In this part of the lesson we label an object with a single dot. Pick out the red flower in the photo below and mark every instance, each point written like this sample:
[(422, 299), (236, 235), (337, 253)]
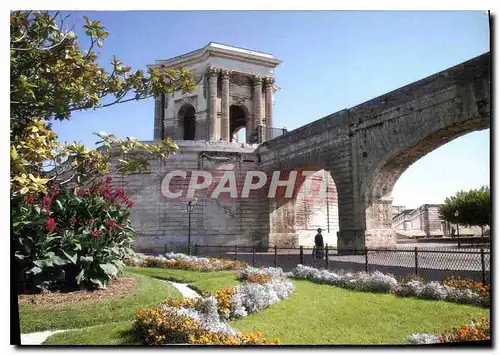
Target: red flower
[(111, 224), (47, 201), (95, 233), (108, 180), (73, 220), (130, 204), (30, 199), (91, 222), (120, 193), (121, 226), (50, 224)]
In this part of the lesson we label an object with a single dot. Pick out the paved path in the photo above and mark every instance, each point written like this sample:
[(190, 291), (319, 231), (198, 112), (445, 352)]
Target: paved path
[(184, 290), (39, 338)]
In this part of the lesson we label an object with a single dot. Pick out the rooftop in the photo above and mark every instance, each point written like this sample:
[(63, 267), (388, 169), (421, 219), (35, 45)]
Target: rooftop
[(220, 50)]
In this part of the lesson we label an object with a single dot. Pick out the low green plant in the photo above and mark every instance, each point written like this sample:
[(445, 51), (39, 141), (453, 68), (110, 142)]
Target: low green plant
[(73, 237)]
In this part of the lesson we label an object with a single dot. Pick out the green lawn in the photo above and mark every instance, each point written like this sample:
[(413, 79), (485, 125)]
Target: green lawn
[(41, 317), (107, 334), (323, 314), (200, 281), (314, 314)]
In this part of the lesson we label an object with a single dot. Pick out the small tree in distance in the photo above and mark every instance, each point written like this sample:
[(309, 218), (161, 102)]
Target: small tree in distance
[(469, 208)]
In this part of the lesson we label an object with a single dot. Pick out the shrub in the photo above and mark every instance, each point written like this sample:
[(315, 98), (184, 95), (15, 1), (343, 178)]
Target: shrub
[(185, 262), (361, 281), (477, 330), (259, 279), (416, 287), (405, 279), (466, 284), (437, 291), (422, 338), (170, 325), (257, 273), (73, 237), (202, 320), (434, 291), (224, 296)]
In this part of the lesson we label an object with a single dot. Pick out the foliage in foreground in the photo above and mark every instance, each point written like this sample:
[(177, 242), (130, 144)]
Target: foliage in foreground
[(202, 320), (328, 315), (73, 238), (51, 76), (379, 282), (185, 262), (101, 310), (475, 331)]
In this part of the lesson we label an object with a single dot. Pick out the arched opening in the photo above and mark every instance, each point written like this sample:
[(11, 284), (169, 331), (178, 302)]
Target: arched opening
[(461, 164), (240, 135), (238, 116), (316, 206), (187, 120), (379, 210), (294, 220)]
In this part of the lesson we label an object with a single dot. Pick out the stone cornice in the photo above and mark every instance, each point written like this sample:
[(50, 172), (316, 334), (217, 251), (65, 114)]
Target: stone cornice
[(217, 50)]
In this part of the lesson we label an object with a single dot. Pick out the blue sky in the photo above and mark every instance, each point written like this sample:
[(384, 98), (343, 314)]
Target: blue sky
[(331, 60)]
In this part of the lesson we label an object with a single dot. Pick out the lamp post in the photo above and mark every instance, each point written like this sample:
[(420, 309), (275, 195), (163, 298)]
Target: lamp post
[(190, 208), (458, 228)]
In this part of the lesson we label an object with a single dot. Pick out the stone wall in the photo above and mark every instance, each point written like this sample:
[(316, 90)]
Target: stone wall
[(159, 221)]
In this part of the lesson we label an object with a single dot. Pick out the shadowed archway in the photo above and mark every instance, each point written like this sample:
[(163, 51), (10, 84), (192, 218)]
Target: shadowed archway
[(187, 120)]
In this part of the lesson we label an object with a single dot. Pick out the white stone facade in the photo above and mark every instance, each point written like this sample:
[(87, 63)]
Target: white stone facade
[(230, 82)]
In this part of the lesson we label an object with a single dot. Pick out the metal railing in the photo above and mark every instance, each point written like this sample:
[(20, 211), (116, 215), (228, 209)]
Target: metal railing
[(432, 264), (264, 133)]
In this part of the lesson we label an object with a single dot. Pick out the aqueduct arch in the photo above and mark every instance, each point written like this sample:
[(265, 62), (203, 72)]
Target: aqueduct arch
[(364, 148), (367, 147)]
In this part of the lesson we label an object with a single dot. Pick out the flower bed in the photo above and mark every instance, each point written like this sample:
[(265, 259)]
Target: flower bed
[(361, 281), (185, 262), (201, 325), (477, 330), (203, 320), (379, 282)]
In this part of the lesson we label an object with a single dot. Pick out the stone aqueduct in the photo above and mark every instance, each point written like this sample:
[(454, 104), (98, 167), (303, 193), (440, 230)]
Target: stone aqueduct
[(365, 148)]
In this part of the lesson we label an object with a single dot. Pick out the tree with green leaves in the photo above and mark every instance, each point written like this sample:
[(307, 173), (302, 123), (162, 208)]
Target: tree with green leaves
[(469, 208), (51, 76), (66, 221)]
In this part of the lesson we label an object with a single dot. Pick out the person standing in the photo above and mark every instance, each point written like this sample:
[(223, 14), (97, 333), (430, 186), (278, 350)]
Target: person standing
[(318, 242)]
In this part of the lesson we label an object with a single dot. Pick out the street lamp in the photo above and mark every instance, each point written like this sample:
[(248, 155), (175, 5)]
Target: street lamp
[(190, 208), (458, 229)]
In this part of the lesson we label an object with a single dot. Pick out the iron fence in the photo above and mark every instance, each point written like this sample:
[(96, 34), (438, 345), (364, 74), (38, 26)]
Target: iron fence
[(267, 133), (434, 264)]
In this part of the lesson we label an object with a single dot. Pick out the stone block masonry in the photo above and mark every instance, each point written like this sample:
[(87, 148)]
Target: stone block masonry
[(223, 221), (365, 149)]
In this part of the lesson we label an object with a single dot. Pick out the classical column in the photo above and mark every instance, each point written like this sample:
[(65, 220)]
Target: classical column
[(225, 105), (268, 86), (257, 100), (214, 133)]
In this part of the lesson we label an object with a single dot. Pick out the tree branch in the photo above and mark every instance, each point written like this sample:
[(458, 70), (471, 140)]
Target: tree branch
[(44, 48)]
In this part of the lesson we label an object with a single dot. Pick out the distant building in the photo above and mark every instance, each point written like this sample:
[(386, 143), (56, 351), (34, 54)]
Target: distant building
[(424, 221), (397, 209)]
